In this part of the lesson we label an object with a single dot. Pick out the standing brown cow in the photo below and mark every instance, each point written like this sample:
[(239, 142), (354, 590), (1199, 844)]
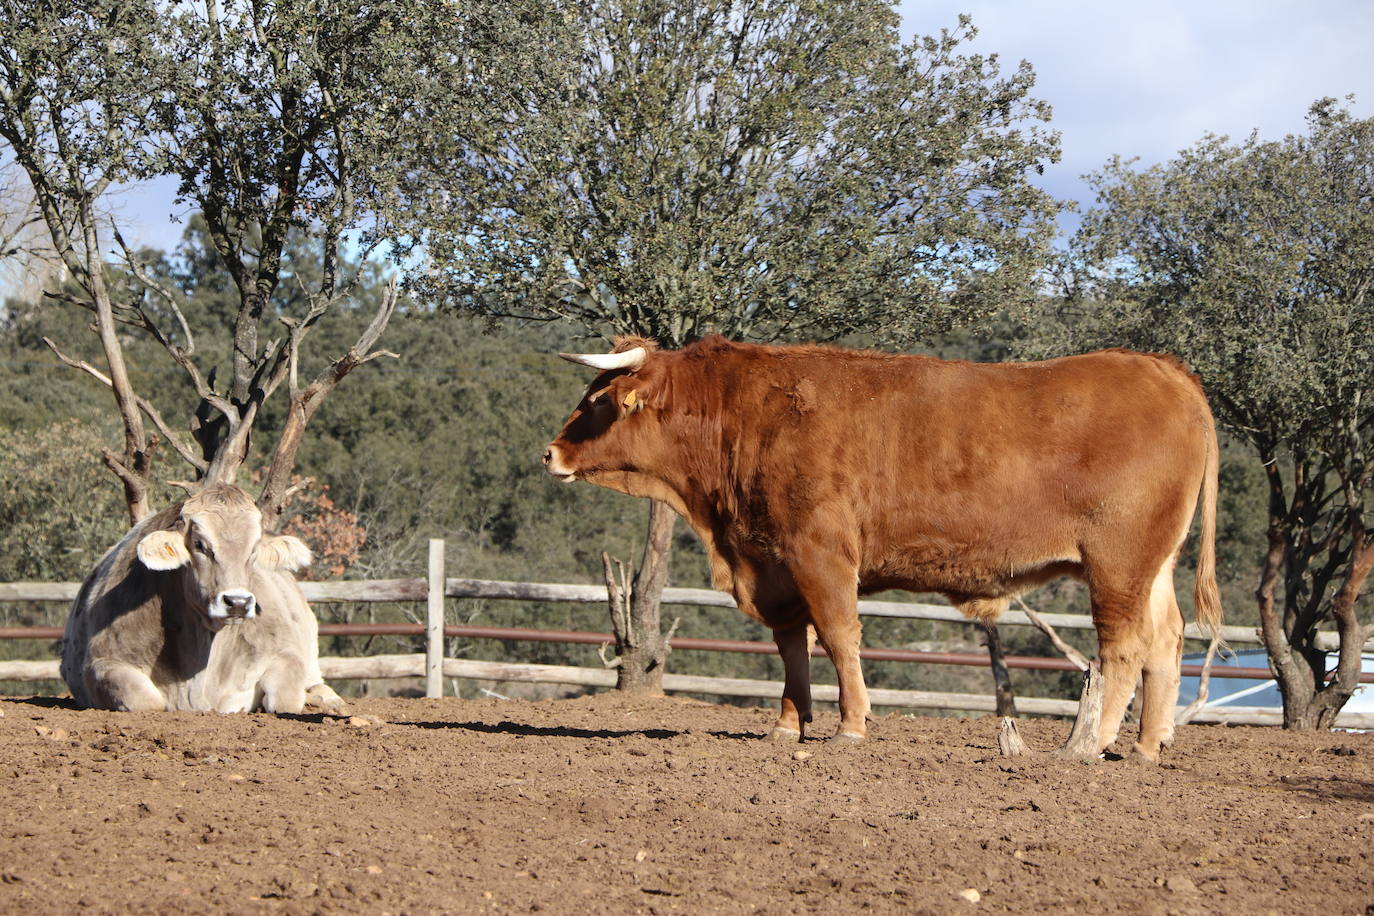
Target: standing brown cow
[(815, 474)]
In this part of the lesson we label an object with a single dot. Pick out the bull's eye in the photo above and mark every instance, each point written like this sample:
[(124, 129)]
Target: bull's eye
[(202, 547)]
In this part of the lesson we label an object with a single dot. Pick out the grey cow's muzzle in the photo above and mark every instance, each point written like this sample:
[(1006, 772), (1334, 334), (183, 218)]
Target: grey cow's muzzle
[(234, 604)]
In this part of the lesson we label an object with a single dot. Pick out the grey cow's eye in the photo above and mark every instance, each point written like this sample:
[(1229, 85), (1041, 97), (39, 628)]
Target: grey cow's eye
[(202, 547)]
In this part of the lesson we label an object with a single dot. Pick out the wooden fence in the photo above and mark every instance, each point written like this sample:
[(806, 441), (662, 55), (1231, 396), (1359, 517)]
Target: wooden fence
[(436, 587)]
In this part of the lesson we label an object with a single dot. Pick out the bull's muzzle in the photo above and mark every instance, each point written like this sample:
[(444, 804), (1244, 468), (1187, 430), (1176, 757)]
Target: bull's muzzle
[(234, 604), (554, 465)]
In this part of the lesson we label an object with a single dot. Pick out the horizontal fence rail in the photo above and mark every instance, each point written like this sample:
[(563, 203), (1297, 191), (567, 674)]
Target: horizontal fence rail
[(698, 644), (413, 666), (432, 666), (415, 590)]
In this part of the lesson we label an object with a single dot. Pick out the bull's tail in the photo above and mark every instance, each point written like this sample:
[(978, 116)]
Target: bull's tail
[(1206, 598)]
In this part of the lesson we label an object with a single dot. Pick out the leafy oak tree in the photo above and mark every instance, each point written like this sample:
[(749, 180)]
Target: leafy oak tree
[(1254, 261), (280, 119), (760, 168)]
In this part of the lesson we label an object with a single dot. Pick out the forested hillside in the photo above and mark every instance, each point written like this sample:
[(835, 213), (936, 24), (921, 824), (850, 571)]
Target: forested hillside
[(444, 441)]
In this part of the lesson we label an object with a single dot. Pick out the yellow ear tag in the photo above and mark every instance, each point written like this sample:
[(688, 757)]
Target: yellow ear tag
[(631, 398), (170, 551)]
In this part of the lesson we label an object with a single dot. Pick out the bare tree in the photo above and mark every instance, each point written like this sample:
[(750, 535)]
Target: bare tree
[(283, 121)]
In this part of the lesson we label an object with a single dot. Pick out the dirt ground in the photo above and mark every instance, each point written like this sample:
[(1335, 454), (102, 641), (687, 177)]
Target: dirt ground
[(605, 805)]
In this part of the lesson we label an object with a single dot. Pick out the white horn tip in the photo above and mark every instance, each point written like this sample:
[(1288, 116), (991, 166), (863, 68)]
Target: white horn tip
[(629, 359)]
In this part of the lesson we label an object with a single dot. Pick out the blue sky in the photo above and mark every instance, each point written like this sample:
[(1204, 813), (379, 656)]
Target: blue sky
[(1135, 79), (1148, 80)]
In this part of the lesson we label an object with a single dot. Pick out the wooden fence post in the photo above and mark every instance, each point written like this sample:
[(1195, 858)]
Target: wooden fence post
[(434, 625)]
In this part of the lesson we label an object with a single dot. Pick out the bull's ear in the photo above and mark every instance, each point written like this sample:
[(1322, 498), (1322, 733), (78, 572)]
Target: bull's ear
[(283, 552), (163, 550)]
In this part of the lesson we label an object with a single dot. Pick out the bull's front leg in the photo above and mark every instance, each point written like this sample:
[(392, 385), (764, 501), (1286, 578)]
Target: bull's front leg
[(829, 587), (794, 645), (319, 696), (841, 638)]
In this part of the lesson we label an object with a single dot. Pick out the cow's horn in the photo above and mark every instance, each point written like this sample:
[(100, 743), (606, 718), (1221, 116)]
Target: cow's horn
[(629, 359)]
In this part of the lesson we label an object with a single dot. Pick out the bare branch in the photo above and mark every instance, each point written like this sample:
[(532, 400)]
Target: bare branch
[(69, 299), (141, 272), (1068, 651), (230, 453), (306, 401), (377, 354), (608, 662), (129, 477), (297, 487), (182, 448), (180, 355), (1185, 715)]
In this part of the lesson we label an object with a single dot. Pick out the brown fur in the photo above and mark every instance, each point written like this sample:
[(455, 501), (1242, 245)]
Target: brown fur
[(815, 474), (138, 638)]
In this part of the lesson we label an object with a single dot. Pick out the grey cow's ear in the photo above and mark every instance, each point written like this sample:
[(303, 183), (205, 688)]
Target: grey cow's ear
[(284, 552), (163, 550)]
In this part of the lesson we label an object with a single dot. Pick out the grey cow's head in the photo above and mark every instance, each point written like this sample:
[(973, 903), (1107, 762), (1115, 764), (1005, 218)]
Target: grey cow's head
[(217, 539)]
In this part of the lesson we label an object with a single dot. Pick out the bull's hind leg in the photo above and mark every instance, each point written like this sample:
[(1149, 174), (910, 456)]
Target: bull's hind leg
[(794, 645), (1161, 669), (1123, 637)]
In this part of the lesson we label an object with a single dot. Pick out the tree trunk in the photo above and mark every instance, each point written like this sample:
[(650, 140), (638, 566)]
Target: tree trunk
[(1009, 740), (1296, 685), (1349, 659), (1306, 717), (1082, 741), (134, 468), (641, 646), (1309, 701), (1001, 677)]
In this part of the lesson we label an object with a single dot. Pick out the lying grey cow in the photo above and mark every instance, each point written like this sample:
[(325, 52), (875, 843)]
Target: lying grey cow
[(195, 609)]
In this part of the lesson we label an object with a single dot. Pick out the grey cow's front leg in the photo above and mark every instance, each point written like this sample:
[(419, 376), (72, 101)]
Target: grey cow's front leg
[(283, 686)]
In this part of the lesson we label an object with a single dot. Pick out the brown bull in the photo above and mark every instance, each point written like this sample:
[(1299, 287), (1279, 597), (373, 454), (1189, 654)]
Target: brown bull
[(815, 474), (195, 608)]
